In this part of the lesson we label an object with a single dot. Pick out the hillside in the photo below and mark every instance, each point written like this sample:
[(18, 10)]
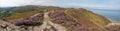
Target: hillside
[(58, 19)]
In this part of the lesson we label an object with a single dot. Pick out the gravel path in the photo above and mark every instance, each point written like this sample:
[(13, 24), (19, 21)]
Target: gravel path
[(48, 25)]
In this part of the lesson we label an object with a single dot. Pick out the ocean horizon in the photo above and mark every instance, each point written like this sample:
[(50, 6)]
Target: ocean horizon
[(113, 15)]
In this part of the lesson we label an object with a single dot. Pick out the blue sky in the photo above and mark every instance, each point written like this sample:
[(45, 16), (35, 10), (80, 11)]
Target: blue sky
[(94, 4)]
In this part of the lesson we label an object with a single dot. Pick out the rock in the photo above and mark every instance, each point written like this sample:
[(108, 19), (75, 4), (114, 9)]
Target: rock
[(6, 26)]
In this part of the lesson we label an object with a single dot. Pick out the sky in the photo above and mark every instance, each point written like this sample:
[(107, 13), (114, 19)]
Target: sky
[(94, 4)]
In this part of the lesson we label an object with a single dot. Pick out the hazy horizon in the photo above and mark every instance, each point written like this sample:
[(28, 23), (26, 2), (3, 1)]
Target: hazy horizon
[(95, 4)]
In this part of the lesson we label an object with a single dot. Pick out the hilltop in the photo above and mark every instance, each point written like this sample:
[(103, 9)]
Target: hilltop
[(57, 19)]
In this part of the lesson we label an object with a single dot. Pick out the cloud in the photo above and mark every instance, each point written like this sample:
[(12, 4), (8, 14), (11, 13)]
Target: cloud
[(7, 3), (95, 4)]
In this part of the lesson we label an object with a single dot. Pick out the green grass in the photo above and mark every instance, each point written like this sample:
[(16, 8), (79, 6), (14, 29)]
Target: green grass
[(95, 18), (88, 17)]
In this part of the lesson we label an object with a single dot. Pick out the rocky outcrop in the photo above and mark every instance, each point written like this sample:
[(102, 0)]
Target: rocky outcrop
[(6, 26)]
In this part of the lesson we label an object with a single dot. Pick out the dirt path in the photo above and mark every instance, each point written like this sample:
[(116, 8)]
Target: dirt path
[(47, 24), (110, 24)]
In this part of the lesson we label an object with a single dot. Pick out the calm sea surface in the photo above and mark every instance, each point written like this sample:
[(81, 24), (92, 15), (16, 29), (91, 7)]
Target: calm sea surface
[(112, 14)]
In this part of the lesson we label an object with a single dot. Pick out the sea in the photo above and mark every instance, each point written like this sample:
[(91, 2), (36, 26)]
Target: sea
[(113, 15)]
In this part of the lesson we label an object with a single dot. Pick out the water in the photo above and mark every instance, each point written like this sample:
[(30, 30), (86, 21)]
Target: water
[(112, 14)]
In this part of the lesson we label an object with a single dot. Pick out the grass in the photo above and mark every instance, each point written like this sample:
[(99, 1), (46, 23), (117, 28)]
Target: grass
[(23, 15), (95, 18), (81, 19), (87, 17)]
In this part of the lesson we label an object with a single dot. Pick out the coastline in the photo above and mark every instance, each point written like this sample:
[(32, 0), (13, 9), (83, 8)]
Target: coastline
[(113, 21)]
